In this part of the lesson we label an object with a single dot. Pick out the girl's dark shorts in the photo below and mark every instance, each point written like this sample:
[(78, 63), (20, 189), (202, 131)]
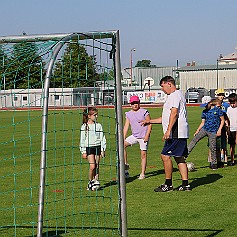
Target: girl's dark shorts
[(176, 147), (94, 150)]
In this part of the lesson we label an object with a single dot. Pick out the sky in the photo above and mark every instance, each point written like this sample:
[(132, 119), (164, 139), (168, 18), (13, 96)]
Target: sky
[(162, 31)]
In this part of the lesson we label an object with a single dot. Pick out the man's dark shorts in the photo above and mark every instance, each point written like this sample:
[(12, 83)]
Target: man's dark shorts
[(176, 147)]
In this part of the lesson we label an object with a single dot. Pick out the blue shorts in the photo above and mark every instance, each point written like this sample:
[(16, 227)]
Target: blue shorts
[(176, 147)]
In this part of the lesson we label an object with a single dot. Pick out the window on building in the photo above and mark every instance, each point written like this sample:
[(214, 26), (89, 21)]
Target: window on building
[(56, 97), (24, 97)]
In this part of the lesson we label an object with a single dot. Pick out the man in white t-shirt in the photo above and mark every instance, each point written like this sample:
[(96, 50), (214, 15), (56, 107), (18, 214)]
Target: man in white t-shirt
[(176, 132)]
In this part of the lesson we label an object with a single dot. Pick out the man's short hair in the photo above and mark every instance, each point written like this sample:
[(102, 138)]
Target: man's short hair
[(167, 79)]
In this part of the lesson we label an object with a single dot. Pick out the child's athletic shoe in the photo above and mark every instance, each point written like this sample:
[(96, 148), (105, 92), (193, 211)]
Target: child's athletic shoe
[(213, 166), (184, 188), (141, 176), (231, 163), (90, 185), (163, 188), (126, 174), (126, 167)]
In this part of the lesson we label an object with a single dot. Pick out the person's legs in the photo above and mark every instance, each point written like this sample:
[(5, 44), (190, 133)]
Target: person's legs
[(223, 148), (182, 167), (212, 145), (126, 144), (143, 162), (143, 148), (168, 167), (97, 158), (184, 174), (232, 139), (202, 133), (232, 153), (92, 164)]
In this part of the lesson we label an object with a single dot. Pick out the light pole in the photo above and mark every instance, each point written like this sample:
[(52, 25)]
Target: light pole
[(217, 76), (133, 49)]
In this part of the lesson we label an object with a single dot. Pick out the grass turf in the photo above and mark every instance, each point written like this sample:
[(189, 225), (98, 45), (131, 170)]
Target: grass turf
[(208, 210)]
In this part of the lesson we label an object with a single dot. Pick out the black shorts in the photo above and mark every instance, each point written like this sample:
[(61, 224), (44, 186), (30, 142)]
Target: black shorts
[(231, 138), (94, 150), (176, 147)]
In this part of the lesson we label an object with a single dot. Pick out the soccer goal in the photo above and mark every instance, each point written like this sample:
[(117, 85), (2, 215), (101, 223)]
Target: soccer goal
[(46, 83)]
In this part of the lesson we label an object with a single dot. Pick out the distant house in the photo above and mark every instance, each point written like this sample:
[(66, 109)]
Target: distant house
[(139, 74), (221, 75)]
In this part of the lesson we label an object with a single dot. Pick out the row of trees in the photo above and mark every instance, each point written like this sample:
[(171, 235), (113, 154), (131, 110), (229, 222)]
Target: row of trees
[(22, 66), (144, 63)]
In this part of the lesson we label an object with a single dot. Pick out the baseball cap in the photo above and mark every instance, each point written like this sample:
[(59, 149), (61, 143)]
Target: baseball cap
[(205, 100), (134, 98), (220, 91)]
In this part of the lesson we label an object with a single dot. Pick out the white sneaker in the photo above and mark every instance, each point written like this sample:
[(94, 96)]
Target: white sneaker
[(141, 176), (96, 185)]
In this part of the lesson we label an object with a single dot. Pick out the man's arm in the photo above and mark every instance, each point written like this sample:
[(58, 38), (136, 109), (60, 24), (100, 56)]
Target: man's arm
[(151, 121)]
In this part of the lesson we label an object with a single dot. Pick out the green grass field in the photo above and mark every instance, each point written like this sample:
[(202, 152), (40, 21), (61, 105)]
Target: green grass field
[(209, 209)]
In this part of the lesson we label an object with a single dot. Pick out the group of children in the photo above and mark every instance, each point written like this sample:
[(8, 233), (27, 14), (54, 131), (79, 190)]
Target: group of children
[(219, 122)]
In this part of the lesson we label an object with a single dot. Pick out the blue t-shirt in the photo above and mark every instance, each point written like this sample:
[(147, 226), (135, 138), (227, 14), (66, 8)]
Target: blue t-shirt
[(212, 119), (224, 106)]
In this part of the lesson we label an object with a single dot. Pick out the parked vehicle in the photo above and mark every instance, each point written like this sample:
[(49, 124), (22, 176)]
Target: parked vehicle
[(194, 95)]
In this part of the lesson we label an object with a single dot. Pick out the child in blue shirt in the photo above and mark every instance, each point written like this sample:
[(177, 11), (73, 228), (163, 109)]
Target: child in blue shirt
[(211, 125)]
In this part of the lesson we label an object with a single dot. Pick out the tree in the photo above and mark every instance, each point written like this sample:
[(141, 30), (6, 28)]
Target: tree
[(25, 68), (144, 63), (107, 75), (76, 68)]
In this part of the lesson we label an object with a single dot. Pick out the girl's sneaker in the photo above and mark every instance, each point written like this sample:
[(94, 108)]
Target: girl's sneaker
[(90, 185), (141, 176)]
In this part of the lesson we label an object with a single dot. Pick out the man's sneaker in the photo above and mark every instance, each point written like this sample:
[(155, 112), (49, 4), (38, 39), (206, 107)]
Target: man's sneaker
[(141, 176), (126, 174), (184, 188), (163, 188)]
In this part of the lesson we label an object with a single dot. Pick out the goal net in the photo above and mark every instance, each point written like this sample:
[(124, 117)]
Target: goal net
[(46, 83)]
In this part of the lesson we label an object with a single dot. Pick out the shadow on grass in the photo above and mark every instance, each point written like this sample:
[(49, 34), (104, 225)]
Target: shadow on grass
[(58, 233), (132, 178), (213, 232), (210, 178), (62, 232)]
